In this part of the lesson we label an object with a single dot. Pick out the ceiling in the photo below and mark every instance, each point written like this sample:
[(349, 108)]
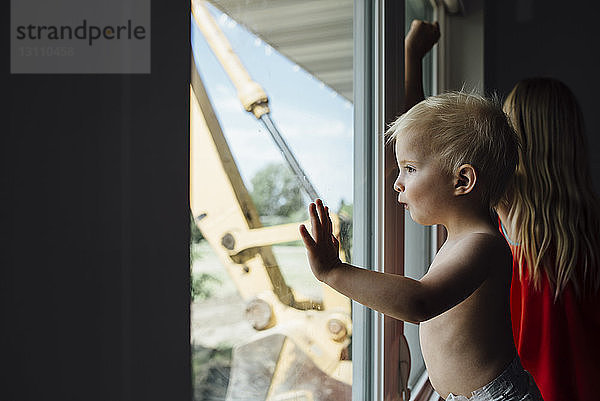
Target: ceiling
[(315, 34)]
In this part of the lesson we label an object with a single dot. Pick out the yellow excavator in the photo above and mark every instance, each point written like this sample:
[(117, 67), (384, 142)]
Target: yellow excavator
[(300, 349)]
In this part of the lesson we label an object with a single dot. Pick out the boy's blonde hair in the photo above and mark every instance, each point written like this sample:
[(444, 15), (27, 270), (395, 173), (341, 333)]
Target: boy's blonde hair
[(465, 128)]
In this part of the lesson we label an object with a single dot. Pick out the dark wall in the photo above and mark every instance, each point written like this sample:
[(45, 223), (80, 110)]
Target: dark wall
[(555, 38), (94, 279)]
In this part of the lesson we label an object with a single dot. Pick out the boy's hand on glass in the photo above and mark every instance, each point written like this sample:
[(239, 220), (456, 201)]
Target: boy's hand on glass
[(420, 38), (322, 246)]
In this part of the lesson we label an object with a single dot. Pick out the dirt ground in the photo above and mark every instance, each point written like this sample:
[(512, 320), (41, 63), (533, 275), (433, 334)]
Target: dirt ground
[(218, 323)]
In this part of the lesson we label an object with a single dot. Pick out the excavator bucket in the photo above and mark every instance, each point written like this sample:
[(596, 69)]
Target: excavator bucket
[(275, 368)]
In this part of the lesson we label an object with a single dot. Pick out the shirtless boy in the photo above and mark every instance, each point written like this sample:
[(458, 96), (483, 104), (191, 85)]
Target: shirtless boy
[(456, 153)]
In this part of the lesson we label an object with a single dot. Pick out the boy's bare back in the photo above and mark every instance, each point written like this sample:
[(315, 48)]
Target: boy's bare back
[(467, 346)]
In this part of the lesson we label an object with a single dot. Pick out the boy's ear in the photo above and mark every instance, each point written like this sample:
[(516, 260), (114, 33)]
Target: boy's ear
[(464, 179)]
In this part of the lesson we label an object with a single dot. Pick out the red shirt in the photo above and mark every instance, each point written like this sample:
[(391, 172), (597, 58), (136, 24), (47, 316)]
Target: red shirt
[(558, 342)]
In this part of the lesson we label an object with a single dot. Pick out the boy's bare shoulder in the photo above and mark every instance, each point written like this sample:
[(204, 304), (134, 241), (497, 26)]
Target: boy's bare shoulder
[(485, 238), (471, 252), (475, 248), (461, 267), (491, 246)]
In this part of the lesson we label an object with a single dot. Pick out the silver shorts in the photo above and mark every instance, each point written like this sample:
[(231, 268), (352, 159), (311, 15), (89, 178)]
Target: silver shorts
[(514, 384)]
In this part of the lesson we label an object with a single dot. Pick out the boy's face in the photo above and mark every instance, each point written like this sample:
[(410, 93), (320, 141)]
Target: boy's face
[(423, 187)]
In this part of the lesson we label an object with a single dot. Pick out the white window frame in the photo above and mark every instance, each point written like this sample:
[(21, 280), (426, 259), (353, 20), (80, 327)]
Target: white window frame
[(378, 70), (365, 333)]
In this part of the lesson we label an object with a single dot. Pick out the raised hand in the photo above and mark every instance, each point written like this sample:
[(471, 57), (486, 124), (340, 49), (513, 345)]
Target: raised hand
[(418, 41), (420, 38), (322, 246)]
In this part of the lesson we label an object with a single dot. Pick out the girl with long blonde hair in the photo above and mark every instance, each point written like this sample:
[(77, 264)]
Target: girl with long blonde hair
[(551, 218)]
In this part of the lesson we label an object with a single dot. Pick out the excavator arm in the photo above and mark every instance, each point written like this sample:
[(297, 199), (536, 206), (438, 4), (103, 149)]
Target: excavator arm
[(300, 349), (293, 336)]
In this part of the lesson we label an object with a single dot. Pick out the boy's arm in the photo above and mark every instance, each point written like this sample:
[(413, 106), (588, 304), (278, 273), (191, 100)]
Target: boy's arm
[(403, 298), (390, 294)]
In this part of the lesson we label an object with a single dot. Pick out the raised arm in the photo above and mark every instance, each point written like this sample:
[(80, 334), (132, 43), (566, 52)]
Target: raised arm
[(397, 296), (418, 42)]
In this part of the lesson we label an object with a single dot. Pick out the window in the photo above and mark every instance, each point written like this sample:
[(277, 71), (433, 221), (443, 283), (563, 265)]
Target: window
[(418, 239), (381, 224), (257, 308), (262, 326)]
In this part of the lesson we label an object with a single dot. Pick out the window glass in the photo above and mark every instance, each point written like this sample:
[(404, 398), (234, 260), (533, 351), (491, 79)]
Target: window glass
[(417, 241), (421, 10), (261, 324)]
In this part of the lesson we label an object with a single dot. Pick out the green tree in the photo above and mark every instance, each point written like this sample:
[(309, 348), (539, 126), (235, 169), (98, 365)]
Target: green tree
[(195, 233), (201, 286), (276, 191)]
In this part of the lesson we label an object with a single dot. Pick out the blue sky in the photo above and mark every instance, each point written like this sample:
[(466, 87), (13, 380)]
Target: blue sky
[(315, 121)]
